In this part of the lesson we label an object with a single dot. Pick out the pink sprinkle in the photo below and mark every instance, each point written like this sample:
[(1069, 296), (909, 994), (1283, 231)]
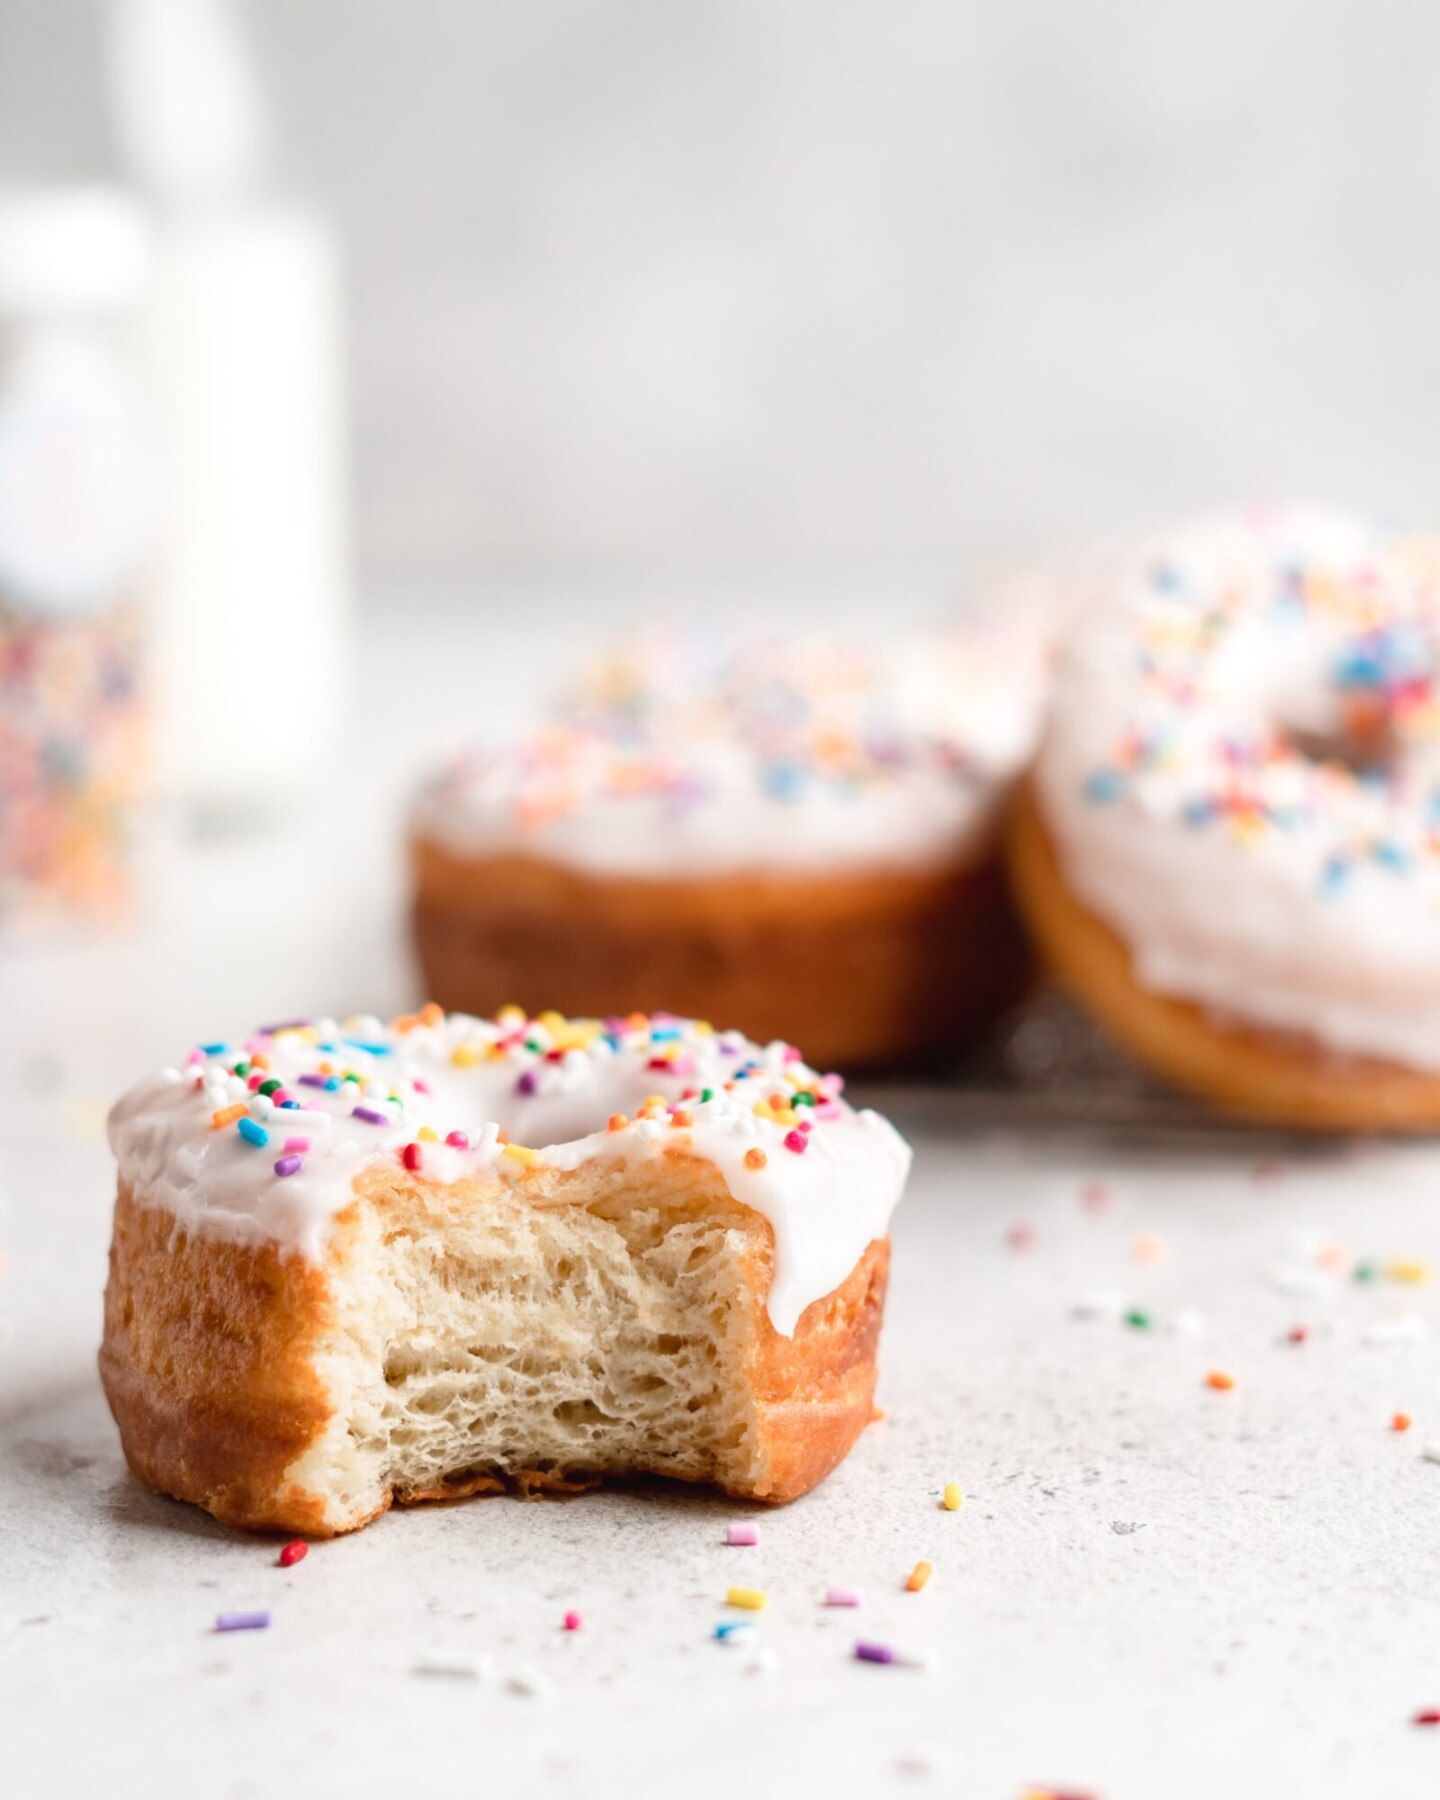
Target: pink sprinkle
[(196, 1056), (421, 1087), (458, 1140), (795, 1140), (254, 1081), (842, 1596), (300, 1144), (281, 1095), (572, 1621), (1095, 1197), (1020, 1237), (829, 1109), (742, 1534)]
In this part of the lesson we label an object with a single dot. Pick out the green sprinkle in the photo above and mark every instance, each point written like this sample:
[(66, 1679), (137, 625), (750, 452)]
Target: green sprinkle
[(1140, 1320), (241, 1068), (1365, 1271), (802, 1099), (706, 1094), (269, 1087)]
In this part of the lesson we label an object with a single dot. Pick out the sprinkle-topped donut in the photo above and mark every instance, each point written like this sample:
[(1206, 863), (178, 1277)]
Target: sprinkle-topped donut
[(799, 835), (700, 752), (1241, 777), (260, 1140)]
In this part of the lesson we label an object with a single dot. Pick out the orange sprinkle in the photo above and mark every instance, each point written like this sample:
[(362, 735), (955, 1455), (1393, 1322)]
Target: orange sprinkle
[(681, 1118), (755, 1159), (431, 1014), (1401, 1422), (919, 1575), (259, 1060), (227, 1115), (618, 1122), (1220, 1381), (877, 1413)]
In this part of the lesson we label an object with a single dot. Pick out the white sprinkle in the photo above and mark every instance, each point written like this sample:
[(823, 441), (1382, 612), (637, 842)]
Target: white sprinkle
[(489, 1136), (530, 1684), (649, 1129), (171, 1076), (457, 1664), (1103, 1303), (1189, 1323), (1402, 1332), (765, 1661), (261, 1106)]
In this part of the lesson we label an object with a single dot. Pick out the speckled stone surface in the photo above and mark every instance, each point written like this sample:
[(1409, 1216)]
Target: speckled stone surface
[(1154, 1591), (1152, 1587)]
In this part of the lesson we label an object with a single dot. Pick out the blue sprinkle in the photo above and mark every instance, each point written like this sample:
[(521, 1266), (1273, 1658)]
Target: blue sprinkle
[(1334, 875), (783, 780), (1389, 855), (374, 1049), (659, 1034), (1199, 812), (1104, 786), (332, 1082), (214, 1049), (728, 1627), (253, 1133), (290, 1106)]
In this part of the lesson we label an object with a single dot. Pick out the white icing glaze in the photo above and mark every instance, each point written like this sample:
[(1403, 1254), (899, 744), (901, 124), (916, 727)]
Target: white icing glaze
[(691, 756), (1197, 776), (825, 1203)]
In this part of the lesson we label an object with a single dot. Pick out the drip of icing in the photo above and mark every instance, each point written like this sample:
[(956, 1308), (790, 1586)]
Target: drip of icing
[(691, 755), (1208, 781), (550, 1085)]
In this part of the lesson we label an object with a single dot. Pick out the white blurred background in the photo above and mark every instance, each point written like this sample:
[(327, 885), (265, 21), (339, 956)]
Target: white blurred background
[(808, 293)]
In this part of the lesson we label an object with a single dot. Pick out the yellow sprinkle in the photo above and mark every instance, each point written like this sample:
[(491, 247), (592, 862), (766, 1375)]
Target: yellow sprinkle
[(1416, 1273), (750, 1598), (954, 1497), (427, 1136), (465, 1056), (552, 1021), (702, 1028), (919, 1575), (521, 1154), (511, 1015)]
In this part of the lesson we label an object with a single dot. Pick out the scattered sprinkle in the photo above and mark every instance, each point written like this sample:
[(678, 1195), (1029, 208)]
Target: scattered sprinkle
[(752, 1599), (295, 1551), (243, 1621), (742, 1534), (1401, 1421), (954, 1496), (572, 1621), (919, 1576), (1220, 1381), (842, 1596)]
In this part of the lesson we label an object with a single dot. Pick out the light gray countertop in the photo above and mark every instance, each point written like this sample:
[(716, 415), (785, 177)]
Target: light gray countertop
[(1154, 1589)]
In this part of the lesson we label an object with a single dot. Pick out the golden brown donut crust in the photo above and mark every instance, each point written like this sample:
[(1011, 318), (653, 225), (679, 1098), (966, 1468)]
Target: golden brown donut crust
[(870, 970), (1267, 1076), (208, 1363)]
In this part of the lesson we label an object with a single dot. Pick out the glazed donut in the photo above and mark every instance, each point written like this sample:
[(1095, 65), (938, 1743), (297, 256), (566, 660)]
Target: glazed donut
[(1230, 847), (360, 1264), (801, 837)]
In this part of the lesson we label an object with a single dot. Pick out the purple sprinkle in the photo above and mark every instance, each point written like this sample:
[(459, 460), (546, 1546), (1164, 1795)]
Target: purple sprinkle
[(249, 1621), (527, 1083), (311, 1080), (284, 1025), (876, 1653), (370, 1114), (289, 1165)]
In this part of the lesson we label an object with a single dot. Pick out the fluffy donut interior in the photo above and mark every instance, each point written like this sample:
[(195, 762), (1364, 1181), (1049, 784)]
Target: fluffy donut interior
[(575, 1325)]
